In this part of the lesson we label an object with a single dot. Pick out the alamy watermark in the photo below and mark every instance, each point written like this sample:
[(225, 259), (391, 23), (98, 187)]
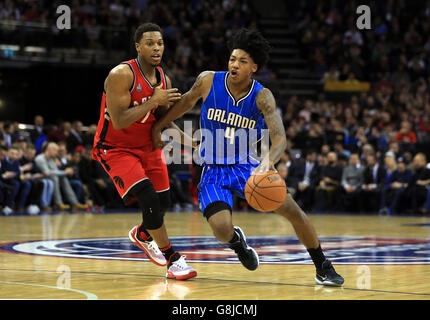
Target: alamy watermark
[(223, 145), (64, 20), (364, 278), (64, 280), (364, 20)]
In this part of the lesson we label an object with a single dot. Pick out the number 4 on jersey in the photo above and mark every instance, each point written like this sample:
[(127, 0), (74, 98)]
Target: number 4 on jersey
[(229, 134)]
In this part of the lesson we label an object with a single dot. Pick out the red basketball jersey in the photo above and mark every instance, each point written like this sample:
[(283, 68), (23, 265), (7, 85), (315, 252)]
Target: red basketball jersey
[(137, 135)]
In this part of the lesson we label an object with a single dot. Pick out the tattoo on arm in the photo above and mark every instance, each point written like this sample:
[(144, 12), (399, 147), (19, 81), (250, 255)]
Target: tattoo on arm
[(267, 105)]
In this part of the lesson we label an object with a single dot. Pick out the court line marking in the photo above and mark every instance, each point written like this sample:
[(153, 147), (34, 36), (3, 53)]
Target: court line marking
[(229, 280), (89, 295), (308, 262)]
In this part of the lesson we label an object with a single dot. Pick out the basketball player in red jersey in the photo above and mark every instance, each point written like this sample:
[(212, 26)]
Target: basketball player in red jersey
[(136, 92)]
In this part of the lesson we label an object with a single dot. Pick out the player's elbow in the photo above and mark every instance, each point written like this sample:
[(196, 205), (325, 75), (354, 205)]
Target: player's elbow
[(118, 122), (118, 125)]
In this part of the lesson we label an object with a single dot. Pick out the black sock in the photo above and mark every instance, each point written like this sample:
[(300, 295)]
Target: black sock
[(145, 236), (235, 237), (170, 254), (317, 256)]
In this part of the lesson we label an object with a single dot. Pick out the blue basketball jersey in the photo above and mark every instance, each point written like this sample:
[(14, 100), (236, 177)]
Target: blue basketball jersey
[(230, 128)]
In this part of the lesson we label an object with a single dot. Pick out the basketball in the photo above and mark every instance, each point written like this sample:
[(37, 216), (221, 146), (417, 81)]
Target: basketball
[(265, 192)]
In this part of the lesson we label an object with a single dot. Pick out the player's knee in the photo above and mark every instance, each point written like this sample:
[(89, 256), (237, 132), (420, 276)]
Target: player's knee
[(218, 214), (165, 201), (291, 210), (223, 232), (149, 202)]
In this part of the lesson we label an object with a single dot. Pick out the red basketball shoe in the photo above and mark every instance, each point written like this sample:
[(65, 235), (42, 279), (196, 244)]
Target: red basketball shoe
[(150, 247), (180, 270)]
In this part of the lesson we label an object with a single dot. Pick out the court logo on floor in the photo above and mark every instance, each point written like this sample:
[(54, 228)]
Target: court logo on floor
[(271, 249)]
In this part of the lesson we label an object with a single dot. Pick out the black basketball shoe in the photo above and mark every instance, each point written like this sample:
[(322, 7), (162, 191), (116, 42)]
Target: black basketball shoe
[(247, 255), (327, 275)]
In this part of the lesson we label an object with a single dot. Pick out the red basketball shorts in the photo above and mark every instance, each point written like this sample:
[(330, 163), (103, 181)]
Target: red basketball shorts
[(128, 167)]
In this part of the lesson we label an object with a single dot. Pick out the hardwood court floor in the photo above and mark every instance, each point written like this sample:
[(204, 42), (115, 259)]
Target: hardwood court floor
[(35, 276)]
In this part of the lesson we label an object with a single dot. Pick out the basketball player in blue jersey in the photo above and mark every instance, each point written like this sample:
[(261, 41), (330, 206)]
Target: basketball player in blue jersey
[(233, 100)]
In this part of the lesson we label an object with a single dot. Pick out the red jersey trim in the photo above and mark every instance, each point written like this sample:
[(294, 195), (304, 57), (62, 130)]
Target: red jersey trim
[(160, 72), (134, 76)]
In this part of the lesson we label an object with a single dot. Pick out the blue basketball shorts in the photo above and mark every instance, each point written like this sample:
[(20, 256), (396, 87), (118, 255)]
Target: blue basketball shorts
[(221, 182)]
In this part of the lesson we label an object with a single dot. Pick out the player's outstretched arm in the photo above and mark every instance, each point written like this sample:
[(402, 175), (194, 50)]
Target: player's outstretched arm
[(267, 105), (185, 139), (200, 89), (118, 98)]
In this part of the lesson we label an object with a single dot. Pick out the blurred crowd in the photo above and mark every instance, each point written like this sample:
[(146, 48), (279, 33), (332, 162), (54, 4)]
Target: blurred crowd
[(358, 182), (397, 45), (388, 125), (50, 168), (195, 32), (368, 152)]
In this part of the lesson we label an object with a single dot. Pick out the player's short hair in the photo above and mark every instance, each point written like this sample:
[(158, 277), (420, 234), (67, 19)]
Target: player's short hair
[(252, 42), (146, 27)]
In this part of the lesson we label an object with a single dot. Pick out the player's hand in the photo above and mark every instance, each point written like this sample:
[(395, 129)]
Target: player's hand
[(9, 174), (265, 166), (166, 97)]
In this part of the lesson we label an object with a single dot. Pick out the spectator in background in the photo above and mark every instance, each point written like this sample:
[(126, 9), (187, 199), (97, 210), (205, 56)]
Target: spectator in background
[(48, 166), (424, 128), (286, 158), (378, 139), (64, 159), (342, 160), (6, 136), (60, 132), (283, 172), (331, 75), (352, 180), (394, 148), (98, 184), (390, 166), (330, 178), (420, 183), (393, 196), (325, 149), (179, 179), (373, 183), (75, 138), (8, 188), (304, 177), (314, 138), (12, 177), (338, 147), (18, 135), (42, 188), (406, 137), (366, 150), (5, 189), (37, 134), (88, 136)]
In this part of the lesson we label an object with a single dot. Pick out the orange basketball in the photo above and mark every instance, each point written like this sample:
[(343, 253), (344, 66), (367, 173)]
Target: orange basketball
[(265, 192)]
